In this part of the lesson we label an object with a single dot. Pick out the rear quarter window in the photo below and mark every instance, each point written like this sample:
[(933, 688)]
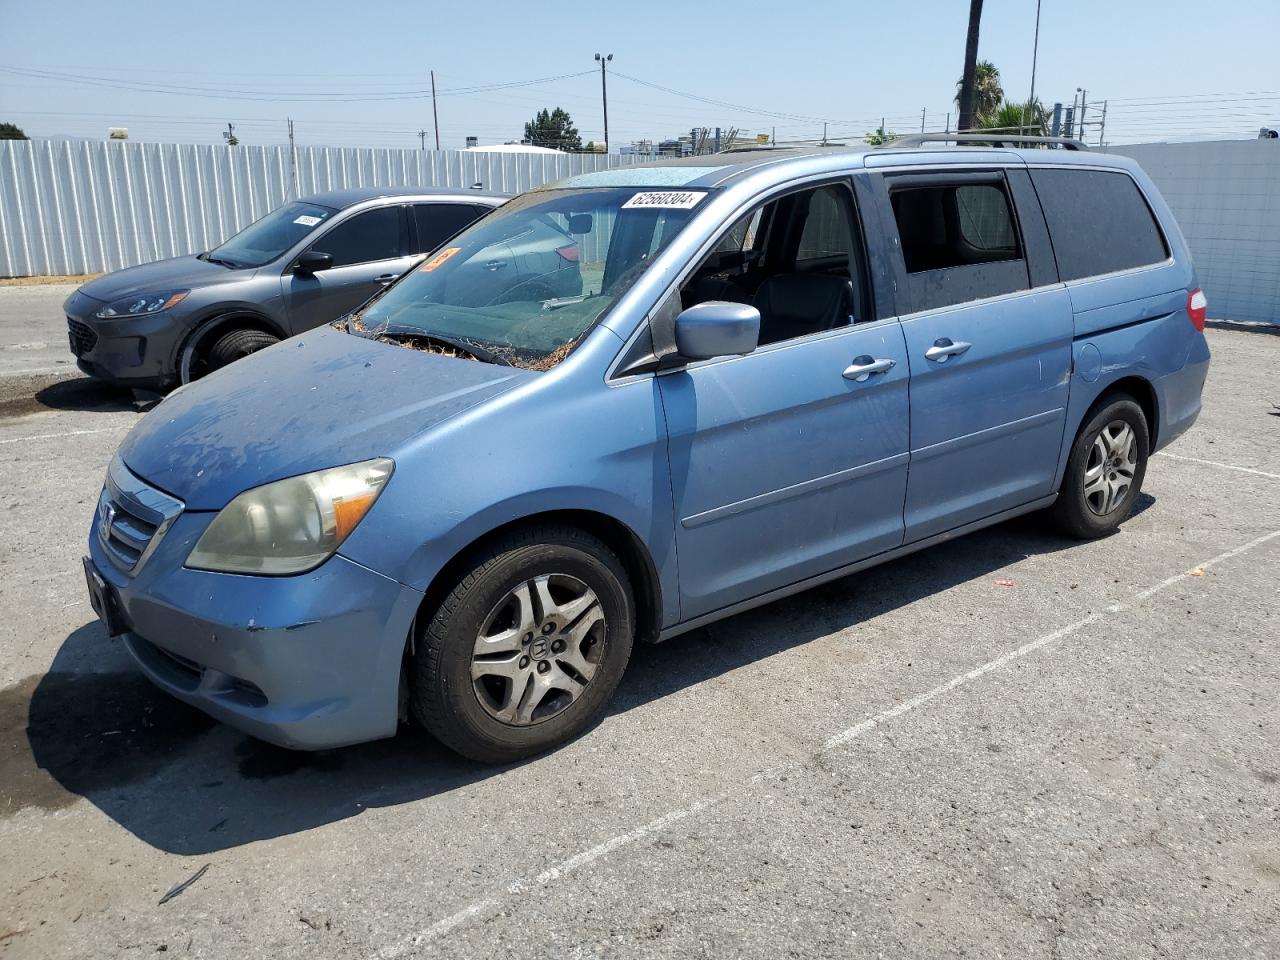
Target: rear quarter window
[(1099, 222)]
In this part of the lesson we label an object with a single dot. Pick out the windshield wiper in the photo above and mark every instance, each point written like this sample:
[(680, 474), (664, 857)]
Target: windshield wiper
[(226, 263), (466, 346)]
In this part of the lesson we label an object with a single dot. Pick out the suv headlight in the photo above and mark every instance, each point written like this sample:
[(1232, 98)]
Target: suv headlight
[(292, 525), (141, 304)]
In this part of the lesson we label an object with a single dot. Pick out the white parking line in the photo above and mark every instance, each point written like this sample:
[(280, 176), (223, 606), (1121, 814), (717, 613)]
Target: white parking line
[(1222, 466), (491, 905), (69, 433)]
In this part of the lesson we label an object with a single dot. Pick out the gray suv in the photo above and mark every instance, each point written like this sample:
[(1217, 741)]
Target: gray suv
[(306, 263)]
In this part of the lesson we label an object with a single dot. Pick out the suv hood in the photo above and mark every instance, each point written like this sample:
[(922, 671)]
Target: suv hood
[(177, 273), (320, 400)]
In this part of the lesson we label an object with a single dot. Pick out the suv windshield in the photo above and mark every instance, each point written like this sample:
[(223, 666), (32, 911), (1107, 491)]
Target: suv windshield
[(525, 284), (264, 240)]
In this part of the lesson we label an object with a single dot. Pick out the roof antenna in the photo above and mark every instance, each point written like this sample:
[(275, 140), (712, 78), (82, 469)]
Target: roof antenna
[(477, 185)]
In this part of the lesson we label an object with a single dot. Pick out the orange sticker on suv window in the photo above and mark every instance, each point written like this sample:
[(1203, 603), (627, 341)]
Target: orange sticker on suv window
[(439, 259)]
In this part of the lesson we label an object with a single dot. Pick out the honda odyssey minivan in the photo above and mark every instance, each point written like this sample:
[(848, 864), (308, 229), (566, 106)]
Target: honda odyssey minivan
[(781, 367)]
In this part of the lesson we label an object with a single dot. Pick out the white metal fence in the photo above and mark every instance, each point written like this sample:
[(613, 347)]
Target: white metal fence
[(88, 206)]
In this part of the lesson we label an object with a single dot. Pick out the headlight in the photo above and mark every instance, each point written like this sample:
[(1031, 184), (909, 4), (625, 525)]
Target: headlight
[(141, 304), (292, 525)]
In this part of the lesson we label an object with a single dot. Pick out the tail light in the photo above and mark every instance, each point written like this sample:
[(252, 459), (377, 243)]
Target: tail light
[(1197, 308), (568, 253)]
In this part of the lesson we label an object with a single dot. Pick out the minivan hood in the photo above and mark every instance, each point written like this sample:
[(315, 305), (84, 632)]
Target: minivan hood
[(320, 400), (174, 274)]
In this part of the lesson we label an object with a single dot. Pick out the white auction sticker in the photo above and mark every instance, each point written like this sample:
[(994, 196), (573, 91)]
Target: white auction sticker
[(308, 221), (665, 199)]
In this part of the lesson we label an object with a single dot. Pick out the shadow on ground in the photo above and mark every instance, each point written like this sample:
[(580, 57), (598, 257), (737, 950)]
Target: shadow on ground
[(94, 728), (41, 393)]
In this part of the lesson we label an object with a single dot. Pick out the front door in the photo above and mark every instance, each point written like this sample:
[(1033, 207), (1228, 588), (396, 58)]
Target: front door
[(791, 461), (782, 467), (369, 251)]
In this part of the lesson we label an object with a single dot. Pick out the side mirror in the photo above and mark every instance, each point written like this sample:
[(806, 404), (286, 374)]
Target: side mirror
[(313, 261), (717, 328)]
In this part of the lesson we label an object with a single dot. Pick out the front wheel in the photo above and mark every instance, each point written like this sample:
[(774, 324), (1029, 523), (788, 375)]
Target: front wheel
[(1105, 472), (525, 651)]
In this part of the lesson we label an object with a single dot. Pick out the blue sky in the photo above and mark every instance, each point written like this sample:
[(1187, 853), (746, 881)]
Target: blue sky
[(1169, 69)]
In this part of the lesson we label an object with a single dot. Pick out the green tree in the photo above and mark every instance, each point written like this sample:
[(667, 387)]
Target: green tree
[(11, 131), (1021, 118), (987, 96), (880, 137), (553, 129)]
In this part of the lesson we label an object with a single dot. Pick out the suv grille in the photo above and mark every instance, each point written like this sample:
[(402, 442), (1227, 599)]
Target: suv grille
[(82, 337), (132, 517)]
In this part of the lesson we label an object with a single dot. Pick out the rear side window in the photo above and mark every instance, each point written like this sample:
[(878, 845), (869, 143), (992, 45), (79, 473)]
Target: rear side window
[(959, 240), (366, 237), (1099, 222), (954, 225), (437, 222)]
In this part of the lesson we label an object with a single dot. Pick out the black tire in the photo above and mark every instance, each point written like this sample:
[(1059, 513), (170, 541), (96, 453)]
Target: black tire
[(444, 698), (1072, 511), (235, 345)]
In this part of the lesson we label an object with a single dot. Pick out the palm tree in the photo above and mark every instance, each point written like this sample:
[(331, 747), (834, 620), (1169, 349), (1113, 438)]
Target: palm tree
[(987, 95), (965, 96), (1017, 118)]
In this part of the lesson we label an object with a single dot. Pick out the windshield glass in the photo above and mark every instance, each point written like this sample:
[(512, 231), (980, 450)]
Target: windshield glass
[(264, 240), (525, 284)]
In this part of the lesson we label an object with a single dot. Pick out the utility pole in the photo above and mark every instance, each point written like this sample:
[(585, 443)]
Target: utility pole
[(948, 130), (293, 164), (773, 136), (824, 133), (965, 120), (422, 139), (435, 117), (604, 97), (1084, 96), (1035, 52), (1103, 130), (922, 113)]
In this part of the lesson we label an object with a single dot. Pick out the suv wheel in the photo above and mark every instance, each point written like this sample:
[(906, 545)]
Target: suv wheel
[(1104, 475), (226, 348), (525, 651)]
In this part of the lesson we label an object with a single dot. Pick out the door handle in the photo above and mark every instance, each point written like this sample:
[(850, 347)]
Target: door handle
[(944, 347), (386, 278), (864, 367), (495, 265)]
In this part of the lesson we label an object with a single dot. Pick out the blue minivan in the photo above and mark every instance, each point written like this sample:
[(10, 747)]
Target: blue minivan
[(781, 367)]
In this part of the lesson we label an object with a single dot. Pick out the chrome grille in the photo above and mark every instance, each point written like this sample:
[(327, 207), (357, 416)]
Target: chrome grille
[(82, 337), (132, 517)]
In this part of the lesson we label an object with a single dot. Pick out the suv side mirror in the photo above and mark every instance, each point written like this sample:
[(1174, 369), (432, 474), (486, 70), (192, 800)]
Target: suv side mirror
[(717, 328), (312, 261)]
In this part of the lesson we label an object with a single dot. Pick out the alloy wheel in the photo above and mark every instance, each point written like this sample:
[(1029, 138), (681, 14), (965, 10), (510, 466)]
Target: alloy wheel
[(538, 649), (1110, 469)]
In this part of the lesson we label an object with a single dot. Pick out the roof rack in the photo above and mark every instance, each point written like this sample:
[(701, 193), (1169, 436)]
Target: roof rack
[(985, 139)]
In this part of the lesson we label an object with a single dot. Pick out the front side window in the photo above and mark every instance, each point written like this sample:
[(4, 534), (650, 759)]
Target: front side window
[(795, 259), (270, 237), (366, 237), (1099, 222), (526, 283), (959, 241)]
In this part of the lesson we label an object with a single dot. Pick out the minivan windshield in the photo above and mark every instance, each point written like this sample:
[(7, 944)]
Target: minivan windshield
[(523, 285), (264, 240)]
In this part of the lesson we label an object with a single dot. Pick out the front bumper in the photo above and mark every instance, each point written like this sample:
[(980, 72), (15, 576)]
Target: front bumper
[(137, 352), (308, 662)]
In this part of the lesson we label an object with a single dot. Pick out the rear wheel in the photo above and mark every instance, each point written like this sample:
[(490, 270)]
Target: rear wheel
[(1105, 472), (525, 651)]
